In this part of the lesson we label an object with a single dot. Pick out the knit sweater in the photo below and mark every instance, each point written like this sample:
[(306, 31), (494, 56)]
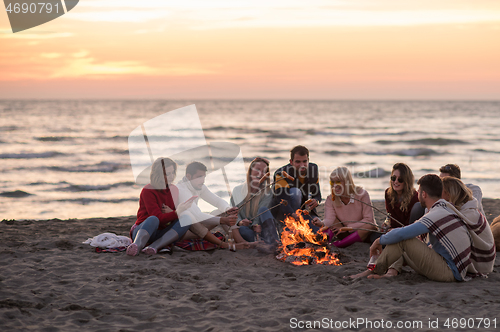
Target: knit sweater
[(352, 211)]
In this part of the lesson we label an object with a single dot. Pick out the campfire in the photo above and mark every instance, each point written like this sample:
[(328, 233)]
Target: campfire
[(300, 246)]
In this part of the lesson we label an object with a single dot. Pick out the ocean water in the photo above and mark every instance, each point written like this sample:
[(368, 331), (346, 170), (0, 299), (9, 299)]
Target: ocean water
[(70, 159)]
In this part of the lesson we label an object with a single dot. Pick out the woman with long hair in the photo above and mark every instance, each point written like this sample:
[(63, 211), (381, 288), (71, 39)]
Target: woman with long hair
[(401, 195), (254, 216), (158, 221), (467, 208), (347, 206)]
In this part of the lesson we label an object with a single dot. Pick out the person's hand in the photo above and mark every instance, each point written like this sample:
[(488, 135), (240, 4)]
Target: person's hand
[(312, 204), (257, 228), (317, 222), (232, 211), (230, 220), (376, 248), (184, 206), (166, 209), (245, 222)]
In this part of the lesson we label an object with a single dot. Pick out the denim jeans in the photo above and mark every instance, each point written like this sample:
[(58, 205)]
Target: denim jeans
[(269, 231), (151, 225)]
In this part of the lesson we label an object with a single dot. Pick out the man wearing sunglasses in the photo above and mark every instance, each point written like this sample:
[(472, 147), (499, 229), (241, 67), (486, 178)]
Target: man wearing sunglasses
[(301, 189)]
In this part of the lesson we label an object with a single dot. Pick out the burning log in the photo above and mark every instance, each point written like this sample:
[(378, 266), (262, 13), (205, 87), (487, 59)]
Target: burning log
[(301, 246)]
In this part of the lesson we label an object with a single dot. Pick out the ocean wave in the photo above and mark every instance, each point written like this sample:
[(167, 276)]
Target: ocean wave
[(54, 138), (103, 167), (9, 128), (336, 153), (15, 194), (85, 201), (485, 151), (407, 152), (49, 154), (83, 188), (373, 173), (426, 141)]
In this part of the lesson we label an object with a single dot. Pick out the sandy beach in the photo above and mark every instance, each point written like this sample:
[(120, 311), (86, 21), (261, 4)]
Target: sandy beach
[(50, 281)]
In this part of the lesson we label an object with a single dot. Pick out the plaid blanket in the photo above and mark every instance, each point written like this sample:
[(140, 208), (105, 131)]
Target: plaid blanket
[(118, 249), (483, 244), (451, 232), (199, 244)]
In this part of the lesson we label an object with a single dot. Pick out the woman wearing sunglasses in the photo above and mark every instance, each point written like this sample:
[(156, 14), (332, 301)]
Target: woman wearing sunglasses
[(254, 217), (401, 195), (347, 206)]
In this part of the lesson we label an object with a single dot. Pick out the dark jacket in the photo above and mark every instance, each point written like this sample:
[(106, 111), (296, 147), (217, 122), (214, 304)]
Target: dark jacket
[(310, 185)]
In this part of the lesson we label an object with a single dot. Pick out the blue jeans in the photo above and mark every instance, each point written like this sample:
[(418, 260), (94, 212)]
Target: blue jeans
[(269, 231), (152, 223)]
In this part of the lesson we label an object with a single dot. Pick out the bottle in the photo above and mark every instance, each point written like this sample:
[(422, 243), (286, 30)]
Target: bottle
[(372, 263)]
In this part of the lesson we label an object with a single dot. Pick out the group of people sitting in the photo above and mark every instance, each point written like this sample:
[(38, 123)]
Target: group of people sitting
[(440, 230)]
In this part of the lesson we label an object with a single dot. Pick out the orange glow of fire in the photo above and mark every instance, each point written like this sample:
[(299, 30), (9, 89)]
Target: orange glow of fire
[(296, 231)]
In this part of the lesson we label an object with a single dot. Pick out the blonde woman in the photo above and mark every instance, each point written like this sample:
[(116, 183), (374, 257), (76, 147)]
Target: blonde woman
[(253, 217), (467, 207), (344, 208)]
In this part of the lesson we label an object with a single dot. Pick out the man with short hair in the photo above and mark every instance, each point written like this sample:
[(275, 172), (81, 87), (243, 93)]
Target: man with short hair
[(454, 171), (193, 184), (303, 188), (449, 257)]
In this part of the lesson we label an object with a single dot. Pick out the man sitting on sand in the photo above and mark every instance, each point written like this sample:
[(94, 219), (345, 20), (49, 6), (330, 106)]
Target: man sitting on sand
[(449, 257), (452, 170), (193, 187), (304, 187)]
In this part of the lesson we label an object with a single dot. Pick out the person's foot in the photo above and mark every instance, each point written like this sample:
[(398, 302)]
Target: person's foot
[(360, 275), (132, 249), (390, 273), (149, 251)]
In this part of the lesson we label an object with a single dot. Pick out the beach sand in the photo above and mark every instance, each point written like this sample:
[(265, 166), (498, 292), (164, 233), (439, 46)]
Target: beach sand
[(50, 281)]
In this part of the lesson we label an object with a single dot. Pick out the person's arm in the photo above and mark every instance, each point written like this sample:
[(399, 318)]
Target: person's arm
[(153, 205), (213, 199), (315, 186), (403, 233), (368, 214), (330, 214), (388, 207)]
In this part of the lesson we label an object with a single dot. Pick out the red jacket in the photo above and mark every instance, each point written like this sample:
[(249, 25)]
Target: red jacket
[(151, 202)]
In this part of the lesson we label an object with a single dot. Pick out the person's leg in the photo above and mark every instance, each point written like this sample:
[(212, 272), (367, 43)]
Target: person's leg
[(293, 196), (417, 212), (170, 236), (419, 257), (269, 231), (142, 234), (247, 233)]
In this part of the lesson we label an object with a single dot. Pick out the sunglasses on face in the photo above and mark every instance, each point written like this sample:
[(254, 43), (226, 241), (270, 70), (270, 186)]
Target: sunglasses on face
[(394, 178), (335, 183)]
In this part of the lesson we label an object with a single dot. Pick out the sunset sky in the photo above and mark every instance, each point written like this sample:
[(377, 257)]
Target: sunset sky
[(202, 49)]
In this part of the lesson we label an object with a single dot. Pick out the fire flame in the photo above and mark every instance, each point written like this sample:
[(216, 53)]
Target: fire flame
[(313, 250)]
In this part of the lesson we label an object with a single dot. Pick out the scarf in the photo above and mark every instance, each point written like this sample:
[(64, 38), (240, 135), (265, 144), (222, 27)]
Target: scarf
[(483, 251), (451, 232)]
